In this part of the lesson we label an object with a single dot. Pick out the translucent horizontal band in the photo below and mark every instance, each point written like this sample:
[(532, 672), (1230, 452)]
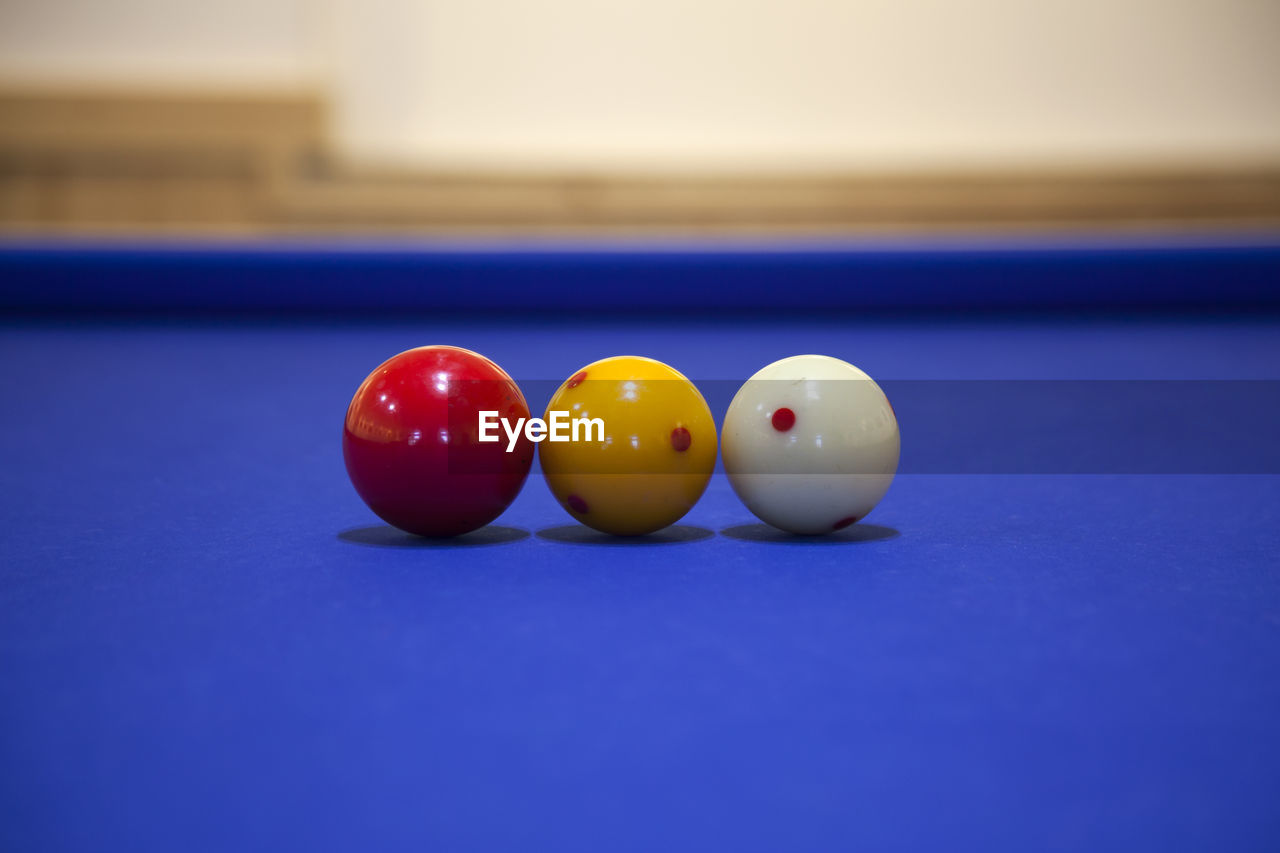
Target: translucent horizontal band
[(997, 426)]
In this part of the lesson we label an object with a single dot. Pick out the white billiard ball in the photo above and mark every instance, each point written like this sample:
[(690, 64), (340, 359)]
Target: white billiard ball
[(810, 444)]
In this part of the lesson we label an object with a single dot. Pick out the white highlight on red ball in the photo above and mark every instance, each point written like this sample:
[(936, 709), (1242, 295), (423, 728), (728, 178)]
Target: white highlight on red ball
[(836, 461)]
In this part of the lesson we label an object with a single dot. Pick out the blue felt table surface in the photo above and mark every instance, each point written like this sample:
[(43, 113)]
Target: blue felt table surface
[(208, 643)]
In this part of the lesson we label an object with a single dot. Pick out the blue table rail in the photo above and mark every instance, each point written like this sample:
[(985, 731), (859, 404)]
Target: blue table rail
[(1187, 273)]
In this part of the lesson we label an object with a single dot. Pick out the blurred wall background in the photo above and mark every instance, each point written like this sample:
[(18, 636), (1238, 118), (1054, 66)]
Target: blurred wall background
[(433, 112)]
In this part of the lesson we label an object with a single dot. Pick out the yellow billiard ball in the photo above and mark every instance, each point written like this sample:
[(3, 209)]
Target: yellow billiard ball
[(649, 462)]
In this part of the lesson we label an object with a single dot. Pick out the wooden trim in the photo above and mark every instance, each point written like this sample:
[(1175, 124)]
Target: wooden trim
[(262, 163)]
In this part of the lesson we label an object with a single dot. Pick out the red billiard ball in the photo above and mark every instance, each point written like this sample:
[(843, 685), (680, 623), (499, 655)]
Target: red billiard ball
[(411, 441)]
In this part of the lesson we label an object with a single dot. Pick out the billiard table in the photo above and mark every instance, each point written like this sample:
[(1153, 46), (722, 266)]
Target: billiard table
[(1060, 630)]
